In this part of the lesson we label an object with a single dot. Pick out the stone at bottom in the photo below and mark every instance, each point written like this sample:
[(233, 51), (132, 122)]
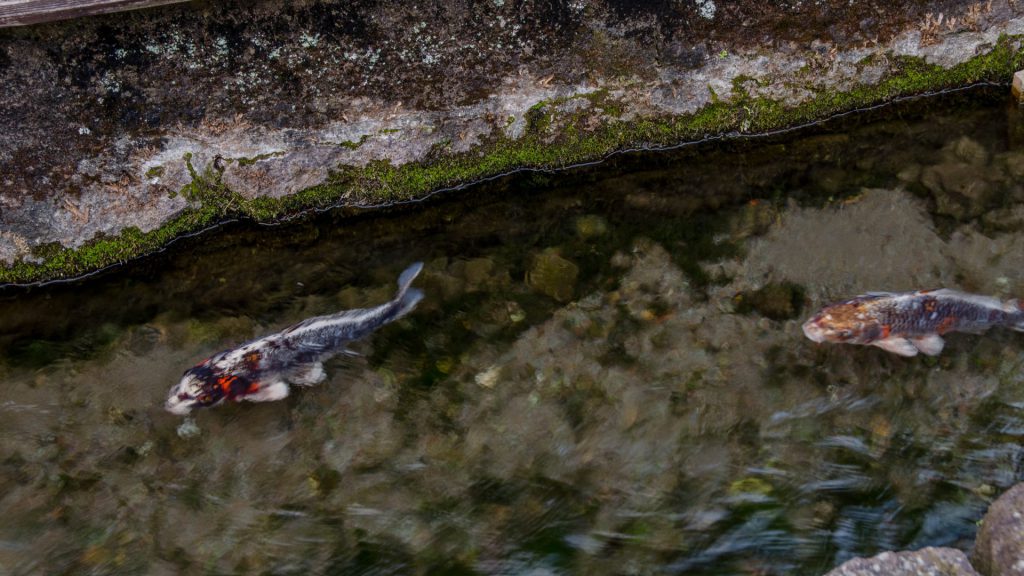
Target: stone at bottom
[(999, 547), (1017, 87), (923, 562)]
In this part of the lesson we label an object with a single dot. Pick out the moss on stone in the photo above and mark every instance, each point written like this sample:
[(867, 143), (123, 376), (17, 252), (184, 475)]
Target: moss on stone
[(354, 144), (539, 147), (250, 161)]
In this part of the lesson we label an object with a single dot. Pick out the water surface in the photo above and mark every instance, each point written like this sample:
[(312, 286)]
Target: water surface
[(607, 374)]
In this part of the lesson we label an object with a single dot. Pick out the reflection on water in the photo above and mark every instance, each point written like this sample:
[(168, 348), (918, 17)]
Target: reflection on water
[(607, 374)]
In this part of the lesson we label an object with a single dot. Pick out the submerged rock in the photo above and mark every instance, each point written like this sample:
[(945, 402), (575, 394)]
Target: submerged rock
[(910, 173), (961, 190), (755, 218), (777, 300), (923, 562), (553, 275), (999, 547), (1013, 161), (967, 150), (188, 429), (591, 226)]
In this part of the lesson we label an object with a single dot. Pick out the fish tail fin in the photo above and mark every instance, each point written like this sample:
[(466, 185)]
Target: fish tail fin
[(407, 297), (407, 276), (408, 301)]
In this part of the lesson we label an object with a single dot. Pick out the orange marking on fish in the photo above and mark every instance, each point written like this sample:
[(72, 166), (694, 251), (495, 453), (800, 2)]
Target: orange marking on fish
[(886, 330), (946, 325), (225, 382)]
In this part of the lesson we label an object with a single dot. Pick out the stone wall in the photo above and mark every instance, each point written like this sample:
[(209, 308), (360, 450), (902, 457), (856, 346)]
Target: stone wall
[(119, 133)]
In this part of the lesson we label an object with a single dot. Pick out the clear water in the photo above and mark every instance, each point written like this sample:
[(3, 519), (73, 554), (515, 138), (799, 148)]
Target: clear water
[(598, 380)]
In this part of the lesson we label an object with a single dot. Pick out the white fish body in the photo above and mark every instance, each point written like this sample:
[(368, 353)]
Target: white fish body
[(262, 369)]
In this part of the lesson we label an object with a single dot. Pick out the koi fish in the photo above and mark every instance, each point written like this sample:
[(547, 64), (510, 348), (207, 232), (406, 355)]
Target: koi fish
[(906, 323), (260, 370)]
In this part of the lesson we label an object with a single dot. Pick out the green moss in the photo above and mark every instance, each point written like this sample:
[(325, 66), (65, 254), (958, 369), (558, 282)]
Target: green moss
[(47, 251), (601, 99), (207, 188), (354, 144), (155, 172), (257, 158), (541, 146), (538, 118)]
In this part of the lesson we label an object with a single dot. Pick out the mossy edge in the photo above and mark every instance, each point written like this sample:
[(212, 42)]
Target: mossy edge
[(380, 183)]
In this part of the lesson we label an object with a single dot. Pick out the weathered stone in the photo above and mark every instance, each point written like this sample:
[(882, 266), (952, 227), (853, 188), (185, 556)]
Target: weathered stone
[(116, 126), (923, 562), (999, 546)]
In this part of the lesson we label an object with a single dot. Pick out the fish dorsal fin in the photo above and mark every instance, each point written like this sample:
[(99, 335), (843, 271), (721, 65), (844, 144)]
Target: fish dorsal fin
[(945, 292), (981, 300), (897, 345)]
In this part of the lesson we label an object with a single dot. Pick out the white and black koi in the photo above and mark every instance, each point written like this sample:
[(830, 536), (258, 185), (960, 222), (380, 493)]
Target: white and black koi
[(262, 369), (906, 323)]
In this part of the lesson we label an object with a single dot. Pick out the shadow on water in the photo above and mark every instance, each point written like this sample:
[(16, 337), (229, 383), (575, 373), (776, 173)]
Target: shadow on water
[(606, 376)]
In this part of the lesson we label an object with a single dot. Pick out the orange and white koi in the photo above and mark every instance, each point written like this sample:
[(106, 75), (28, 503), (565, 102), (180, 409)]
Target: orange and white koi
[(261, 370), (906, 323)]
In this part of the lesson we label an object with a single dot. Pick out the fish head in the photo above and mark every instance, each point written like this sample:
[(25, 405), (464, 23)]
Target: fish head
[(849, 322), (198, 388)]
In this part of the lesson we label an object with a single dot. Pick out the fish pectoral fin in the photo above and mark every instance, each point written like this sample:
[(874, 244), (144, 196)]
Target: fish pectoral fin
[(269, 392), (897, 345), (307, 374), (931, 345)]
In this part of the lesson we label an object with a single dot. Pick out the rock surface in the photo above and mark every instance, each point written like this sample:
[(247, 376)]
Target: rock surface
[(119, 132), (999, 547), (923, 562)]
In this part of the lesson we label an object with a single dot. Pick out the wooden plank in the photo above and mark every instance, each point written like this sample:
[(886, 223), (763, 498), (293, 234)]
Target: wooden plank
[(24, 12)]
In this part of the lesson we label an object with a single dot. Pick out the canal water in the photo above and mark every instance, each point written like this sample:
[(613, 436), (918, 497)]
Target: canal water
[(607, 374)]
